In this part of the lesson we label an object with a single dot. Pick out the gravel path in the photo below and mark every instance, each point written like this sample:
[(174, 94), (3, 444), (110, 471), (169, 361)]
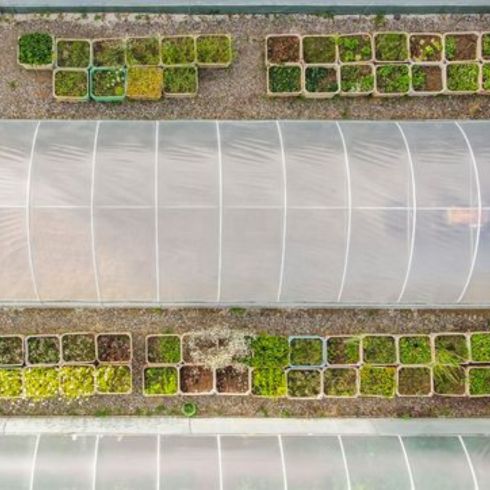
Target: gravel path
[(235, 93)]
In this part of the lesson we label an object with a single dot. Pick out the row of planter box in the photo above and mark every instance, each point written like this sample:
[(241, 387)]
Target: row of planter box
[(41, 51)]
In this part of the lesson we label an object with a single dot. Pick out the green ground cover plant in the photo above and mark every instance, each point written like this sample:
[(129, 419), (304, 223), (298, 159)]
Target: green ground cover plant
[(189, 409), (180, 50), (11, 350), (356, 79), (479, 381), (78, 347), (391, 46), (73, 53), (486, 76), (165, 349), (449, 380), (43, 350), (485, 46), (343, 350), (213, 49), (269, 351), (379, 349), (340, 382), (108, 82), (270, 382), (462, 77), (306, 352), (113, 379), (304, 383), (144, 82), (355, 48), (284, 79), (321, 79), (425, 47), (161, 381), (283, 49), (480, 347), (11, 384), (451, 349), (414, 349), (319, 49), (35, 48), (71, 83), (378, 381), (109, 52), (393, 79), (181, 80), (41, 382), (426, 78), (461, 47), (77, 381), (414, 381), (143, 51)]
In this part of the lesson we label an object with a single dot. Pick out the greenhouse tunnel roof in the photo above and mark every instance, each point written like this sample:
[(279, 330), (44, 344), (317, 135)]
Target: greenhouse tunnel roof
[(263, 213)]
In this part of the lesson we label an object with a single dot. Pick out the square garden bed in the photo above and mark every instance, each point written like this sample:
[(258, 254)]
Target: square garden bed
[(356, 79), (461, 46), (269, 382), (451, 349), (462, 78), (114, 347), (108, 84), (343, 350), (321, 81), (197, 348), (181, 81), (269, 351), (415, 349), (479, 381), (485, 46), (449, 380), (77, 381), (426, 48), (196, 380), (11, 383), (355, 48), (43, 349), (160, 381), (391, 46), (379, 349), (110, 52), (480, 347), (178, 50), (427, 79), (282, 49), (70, 85), (214, 50), (233, 381), (392, 80), (144, 83), (378, 381), (304, 383), (319, 49), (78, 347), (11, 350), (73, 53), (163, 349), (340, 382), (41, 382), (414, 381), (485, 83), (113, 380), (284, 81), (306, 351), (143, 51), (35, 51)]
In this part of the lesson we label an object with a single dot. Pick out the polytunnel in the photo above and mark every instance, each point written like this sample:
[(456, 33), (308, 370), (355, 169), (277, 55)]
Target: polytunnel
[(284, 213)]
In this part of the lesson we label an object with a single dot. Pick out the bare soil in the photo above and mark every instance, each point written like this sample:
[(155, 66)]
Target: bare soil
[(196, 379), (433, 79), (466, 47)]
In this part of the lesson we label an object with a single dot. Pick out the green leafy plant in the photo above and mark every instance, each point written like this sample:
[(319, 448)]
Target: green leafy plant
[(449, 379), (109, 52), (43, 350), (450, 48), (451, 349), (378, 381), (78, 347), (391, 46), (379, 349), (425, 47), (181, 80), (462, 77), (35, 48), (11, 350), (283, 49), (306, 351), (41, 382), (426, 78), (269, 351), (356, 78), (414, 381), (343, 350), (486, 76), (161, 381), (319, 49), (269, 382), (11, 383), (73, 53), (71, 83), (320, 79), (480, 347), (485, 46), (164, 349), (144, 82), (213, 49), (304, 383), (393, 79), (340, 382), (189, 409), (479, 381), (461, 47), (113, 379), (179, 50), (355, 48), (108, 83), (143, 51), (415, 349), (77, 381), (284, 79)]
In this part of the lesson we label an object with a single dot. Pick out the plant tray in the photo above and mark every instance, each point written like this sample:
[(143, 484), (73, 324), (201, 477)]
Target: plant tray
[(61, 72)]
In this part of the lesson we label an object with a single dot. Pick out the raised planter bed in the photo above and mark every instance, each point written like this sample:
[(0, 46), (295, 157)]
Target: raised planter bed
[(43, 350), (378, 381), (451, 349), (114, 347), (35, 51), (163, 349), (78, 348), (392, 80), (343, 350), (322, 81), (355, 48), (160, 381), (340, 382), (73, 53), (427, 79), (284, 81), (11, 383), (462, 78), (181, 81), (306, 351), (282, 48), (109, 52), (415, 349), (70, 85), (379, 350), (178, 50), (214, 50), (319, 49), (143, 51), (144, 83), (356, 80), (269, 351), (11, 350), (233, 381), (414, 381), (480, 347), (449, 380), (77, 381), (391, 47), (485, 46), (196, 380), (479, 381), (41, 382), (108, 84), (304, 383), (113, 380), (461, 46), (426, 47), (269, 382)]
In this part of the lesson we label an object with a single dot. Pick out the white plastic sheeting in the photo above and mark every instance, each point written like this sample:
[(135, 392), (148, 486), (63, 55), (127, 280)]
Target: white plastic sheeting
[(263, 212)]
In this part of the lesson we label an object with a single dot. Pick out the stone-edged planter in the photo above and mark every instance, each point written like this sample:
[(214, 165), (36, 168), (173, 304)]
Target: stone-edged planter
[(113, 379), (73, 53), (356, 79), (485, 79), (414, 381), (269, 382), (392, 80), (427, 80), (196, 380), (462, 78), (12, 351), (108, 84), (284, 80), (233, 381), (181, 81), (214, 50), (43, 350), (426, 47), (78, 348), (449, 380), (283, 49), (391, 47), (377, 381), (480, 348), (41, 382), (11, 383), (319, 49), (343, 350), (36, 51), (485, 46), (356, 48), (143, 51), (109, 52), (77, 381), (304, 384), (341, 382), (479, 381), (321, 81), (160, 380), (163, 349), (70, 85), (451, 348), (415, 350), (178, 50), (379, 350), (461, 46), (114, 347), (307, 351), (144, 83)]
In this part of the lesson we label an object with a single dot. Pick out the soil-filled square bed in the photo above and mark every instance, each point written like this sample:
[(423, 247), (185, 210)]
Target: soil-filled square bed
[(73, 53), (391, 46), (178, 50), (231, 380), (461, 47), (485, 46), (11, 350), (426, 47), (355, 48), (213, 50), (43, 350), (378, 381), (109, 52), (114, 347), (343, 350), (479, 381), (283, 49), (108, 84), (304, 383), (393, 79), (41, 382), (161, 381), (451, 349), (356, 79), (70, 84), (270, 351), (78, 347), (306, 351), (144, 82), (319, 49), (427, 78), (462, 77), (269, 382), (449, 380), (35, 50), (196, 379), (340, 382), (163, 349), (181, 80), (77, 381), (415, 349), (284, 80), (379, 349), (11, 383), (143, 51), (115, 380), (321, 80), (414, 381), (480, 347)]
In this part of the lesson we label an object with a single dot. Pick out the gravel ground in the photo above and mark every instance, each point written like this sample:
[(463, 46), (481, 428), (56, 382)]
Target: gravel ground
[(235, 93), (323, 322)]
